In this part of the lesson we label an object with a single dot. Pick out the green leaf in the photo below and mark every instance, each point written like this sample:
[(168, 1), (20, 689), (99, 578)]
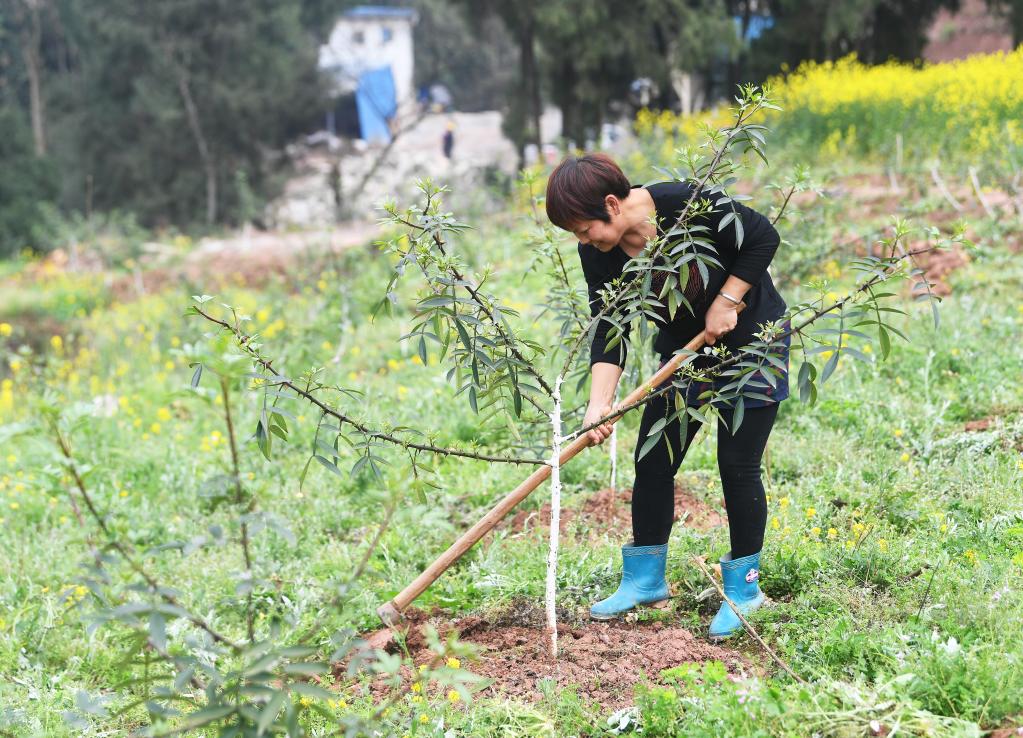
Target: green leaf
[(196, 375), (650, 443), (262, 438), (270, 712), (311, 690), (737, 415), (307, 668), (885, 340), (330, 465), (158, 630), (658, 426), (305, 470), (830, 366)]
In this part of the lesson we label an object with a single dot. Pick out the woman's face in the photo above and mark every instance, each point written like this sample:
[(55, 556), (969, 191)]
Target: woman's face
[(602, 236)]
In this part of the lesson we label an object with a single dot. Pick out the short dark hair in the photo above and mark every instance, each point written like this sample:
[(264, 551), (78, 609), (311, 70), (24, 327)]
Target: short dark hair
[(577, 188)]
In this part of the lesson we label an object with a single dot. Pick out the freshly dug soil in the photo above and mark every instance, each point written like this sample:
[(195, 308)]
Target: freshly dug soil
[(608, 511), (604, 660)]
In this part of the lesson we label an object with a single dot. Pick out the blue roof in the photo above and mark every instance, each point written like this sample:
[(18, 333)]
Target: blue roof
[(379, 11)]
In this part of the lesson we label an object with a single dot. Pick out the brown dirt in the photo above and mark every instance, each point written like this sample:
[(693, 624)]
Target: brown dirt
[(1007, 731), (938, 265), (252, 260), (608, 511), (977, 425), (604, 660)]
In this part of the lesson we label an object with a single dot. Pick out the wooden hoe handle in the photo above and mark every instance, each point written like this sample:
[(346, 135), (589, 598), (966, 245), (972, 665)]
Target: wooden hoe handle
[(390, 612)]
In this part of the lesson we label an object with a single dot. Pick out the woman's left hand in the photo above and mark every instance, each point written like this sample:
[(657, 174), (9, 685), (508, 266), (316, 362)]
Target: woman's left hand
[(721, 318)]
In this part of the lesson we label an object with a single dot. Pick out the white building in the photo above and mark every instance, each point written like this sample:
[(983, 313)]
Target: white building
[(369, 37)]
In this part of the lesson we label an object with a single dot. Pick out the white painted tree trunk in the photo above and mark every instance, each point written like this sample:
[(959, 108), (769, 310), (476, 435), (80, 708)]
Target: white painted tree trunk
[(613, 450), (552, 552)]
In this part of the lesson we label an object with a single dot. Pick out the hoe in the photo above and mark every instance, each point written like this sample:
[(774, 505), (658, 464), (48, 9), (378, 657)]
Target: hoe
[(391, 612)]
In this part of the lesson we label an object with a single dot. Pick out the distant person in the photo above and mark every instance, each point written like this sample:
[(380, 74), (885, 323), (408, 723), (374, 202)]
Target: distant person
[(448, 141)]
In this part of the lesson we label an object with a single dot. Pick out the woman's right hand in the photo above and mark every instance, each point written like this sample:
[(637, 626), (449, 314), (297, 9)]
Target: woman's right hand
[(599, 434)]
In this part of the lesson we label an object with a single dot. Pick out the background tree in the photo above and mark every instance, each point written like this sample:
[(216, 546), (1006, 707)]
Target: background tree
[(1012, 12), (876, 30)]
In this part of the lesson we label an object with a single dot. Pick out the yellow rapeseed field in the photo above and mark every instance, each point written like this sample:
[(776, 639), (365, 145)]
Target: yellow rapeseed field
[(971, 106)]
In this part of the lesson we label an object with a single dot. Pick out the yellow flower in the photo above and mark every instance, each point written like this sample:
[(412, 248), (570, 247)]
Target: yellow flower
[(168, 365), (815, 530), (971, 556), (355, 351), (155, 429), (15, 505), (402, 390), (321, 285), (811, 511), (775, 525), (416, 360), (898, 433), (305, 701), (904, 457), (393, 364), (454, 663), (175, 341), (882, 544), (416, 699), (124, 493), (163, 414), (943, 527), (424, 719), (12, 459), (5, 329), (832, 533), (326, 346), (15, 365), (417, 686), (57, 342), (784, 501), (453, 696)]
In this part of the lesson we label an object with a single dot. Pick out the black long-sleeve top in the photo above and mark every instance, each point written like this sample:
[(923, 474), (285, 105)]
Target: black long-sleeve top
[(748, 262)]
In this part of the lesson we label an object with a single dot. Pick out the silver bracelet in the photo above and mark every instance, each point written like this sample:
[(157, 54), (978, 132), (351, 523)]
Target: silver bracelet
[(730, 298)]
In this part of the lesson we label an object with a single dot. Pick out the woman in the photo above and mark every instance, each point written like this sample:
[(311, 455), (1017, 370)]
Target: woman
[(614, 221)]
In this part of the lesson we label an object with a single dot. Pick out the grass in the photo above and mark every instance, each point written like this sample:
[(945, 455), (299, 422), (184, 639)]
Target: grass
[(894, 545)]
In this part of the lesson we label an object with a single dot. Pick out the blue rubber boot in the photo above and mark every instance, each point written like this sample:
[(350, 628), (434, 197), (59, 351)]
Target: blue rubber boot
[(741, 584), (643, 582)]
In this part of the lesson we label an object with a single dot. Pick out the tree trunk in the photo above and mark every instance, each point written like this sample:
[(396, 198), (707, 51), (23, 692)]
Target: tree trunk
[(30, 41), (531, 77), (204, 150)]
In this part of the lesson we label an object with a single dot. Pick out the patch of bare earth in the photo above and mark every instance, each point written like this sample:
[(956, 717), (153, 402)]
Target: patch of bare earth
[(603, 660), (253, 259), (609, 511)]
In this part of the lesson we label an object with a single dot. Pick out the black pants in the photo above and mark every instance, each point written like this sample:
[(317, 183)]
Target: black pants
[(653, 496)]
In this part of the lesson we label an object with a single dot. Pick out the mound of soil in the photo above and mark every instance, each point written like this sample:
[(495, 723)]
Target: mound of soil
[(608, 511), (603, 660)]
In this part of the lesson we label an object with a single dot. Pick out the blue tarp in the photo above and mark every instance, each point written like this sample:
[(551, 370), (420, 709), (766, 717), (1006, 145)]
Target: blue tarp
[(757, 25), (377, 103)]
